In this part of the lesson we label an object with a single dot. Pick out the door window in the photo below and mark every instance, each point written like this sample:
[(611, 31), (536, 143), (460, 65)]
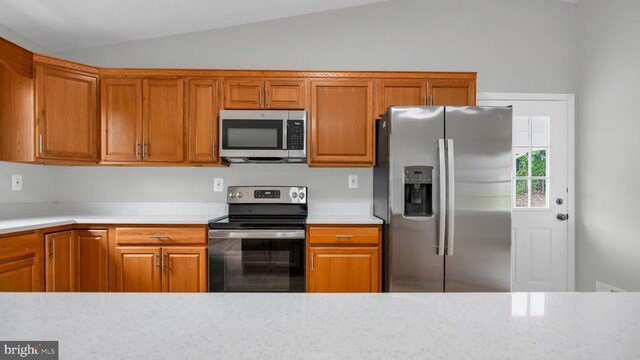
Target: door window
[(531, 162)]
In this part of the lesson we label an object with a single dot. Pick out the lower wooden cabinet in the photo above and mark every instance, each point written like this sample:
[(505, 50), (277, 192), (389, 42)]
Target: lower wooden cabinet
[(343, 258), (20, 263), (160, 269), (92, 260), (60, 260)]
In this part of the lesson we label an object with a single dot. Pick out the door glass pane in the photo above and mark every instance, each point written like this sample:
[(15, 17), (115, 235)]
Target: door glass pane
[(522, 162), (539, 163), (522, 193), (538, 193), (521, 131), (539, 131)]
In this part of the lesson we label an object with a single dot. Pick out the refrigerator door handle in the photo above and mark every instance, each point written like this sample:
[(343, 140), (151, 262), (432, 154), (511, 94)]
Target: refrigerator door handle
[(443, 196), (451, 198)]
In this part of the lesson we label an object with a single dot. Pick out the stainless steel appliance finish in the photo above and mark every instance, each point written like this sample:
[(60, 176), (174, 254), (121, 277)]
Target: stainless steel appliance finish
[(260, 245), (442, 186), (263, 136)]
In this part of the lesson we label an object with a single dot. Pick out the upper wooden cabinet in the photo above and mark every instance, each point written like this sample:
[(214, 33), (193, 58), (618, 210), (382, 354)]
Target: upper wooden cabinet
[(16, 103), (422, 92), (163, 120), (66, 102), (264, 94), (142, 120), (20, 263), (202, 120), (452, 92), (121, 118), (342, 123)]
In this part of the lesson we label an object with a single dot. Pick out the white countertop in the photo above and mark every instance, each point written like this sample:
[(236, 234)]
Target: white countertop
[(51, 215), (16, 225), (343, 219), (328, 326)]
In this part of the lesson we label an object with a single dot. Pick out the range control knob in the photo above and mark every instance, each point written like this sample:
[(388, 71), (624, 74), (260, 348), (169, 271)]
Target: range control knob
[(239, 195), (232, 195), (301, 196), (294, 195)]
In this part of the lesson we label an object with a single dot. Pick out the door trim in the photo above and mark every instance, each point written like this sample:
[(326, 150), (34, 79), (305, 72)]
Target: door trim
[(570, 100)]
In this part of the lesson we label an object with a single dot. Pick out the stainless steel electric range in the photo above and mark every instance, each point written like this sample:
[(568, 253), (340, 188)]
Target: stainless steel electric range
[(260, 245)]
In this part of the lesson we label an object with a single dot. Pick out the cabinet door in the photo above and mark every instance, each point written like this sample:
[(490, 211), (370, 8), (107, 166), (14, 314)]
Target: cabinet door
[(66, 113), (451, 92), (20, 259), (401, 93), (137, 269), (121, 113), (203, 120), (60, 261), (341, 123), (243, 94), (344, 269), (92, 260), (284, 94), (184, 269), (163, 120)]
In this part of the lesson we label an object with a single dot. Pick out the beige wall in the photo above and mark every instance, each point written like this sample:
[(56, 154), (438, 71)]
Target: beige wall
[(608, 145)]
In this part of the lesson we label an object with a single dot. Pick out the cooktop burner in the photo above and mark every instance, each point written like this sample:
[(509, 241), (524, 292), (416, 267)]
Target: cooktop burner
[(264, 207)]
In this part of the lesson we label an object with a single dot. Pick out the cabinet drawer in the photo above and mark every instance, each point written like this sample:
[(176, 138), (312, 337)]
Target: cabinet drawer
[(366, 235), (18, 245), (160, 235)]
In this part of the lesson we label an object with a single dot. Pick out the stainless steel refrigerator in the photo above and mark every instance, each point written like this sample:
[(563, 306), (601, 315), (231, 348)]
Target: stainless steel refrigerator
[(442, 185)]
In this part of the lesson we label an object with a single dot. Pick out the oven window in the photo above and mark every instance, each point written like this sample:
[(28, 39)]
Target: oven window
[(252, 134), (256, 265)]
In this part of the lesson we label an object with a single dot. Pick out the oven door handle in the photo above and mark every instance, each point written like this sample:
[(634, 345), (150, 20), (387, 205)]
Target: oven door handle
[(256, 234)]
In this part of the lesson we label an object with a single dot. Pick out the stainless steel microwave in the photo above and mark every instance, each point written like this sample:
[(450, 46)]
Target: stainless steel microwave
[(263, 136)]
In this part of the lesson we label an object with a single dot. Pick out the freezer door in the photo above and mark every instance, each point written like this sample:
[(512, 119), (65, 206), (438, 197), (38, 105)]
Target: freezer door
[(479, 242), (412, 240)]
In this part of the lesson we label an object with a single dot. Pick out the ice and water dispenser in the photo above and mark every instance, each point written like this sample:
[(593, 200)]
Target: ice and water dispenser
[(418, 190)]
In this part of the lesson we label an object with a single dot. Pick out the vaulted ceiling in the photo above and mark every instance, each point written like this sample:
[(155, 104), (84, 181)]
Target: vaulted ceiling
[(72, 24)]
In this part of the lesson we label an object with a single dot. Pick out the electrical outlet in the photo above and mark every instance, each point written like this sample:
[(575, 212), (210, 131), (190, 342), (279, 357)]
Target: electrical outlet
[(16, 182), (218, 185), (353, 181)]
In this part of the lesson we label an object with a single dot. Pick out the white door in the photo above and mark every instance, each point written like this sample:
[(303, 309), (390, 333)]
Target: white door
[(540, 247)]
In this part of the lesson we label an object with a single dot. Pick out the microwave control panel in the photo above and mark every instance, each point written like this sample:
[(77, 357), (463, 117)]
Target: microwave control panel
[(295, 135)]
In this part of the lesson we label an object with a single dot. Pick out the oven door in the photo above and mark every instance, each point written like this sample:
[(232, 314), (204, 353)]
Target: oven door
[(253, 134), (256, 260)]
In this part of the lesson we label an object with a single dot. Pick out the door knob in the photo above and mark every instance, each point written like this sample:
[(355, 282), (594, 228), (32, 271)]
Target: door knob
[(562, 217)]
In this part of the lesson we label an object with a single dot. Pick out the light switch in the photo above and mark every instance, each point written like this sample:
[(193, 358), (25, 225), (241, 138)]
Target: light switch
[(16, 182), (353, 181), (218, 185)]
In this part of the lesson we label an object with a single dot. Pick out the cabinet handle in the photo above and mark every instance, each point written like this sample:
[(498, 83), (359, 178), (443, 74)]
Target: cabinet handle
[(260, 95), (40, 144), (344, 236), (163, 262), (137, 149), (160, 237), (155, 260), (424, 99), (266, 96), (145, 150), (431, 99)]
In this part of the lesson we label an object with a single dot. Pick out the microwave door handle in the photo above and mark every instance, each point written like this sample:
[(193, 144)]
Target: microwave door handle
[(284, 134)]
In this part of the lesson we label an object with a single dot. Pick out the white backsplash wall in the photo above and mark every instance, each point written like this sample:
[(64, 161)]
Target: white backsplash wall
[(38, 183), (185, 184)]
